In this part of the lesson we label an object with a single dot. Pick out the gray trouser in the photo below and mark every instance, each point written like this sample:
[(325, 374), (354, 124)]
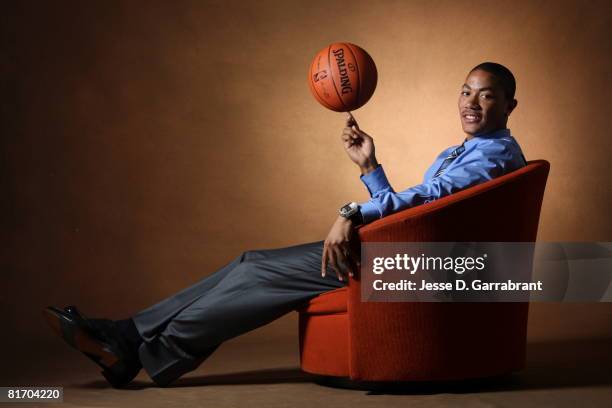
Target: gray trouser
[(257, 287)]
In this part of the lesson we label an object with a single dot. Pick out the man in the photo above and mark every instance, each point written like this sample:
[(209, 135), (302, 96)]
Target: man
[(177, 334)]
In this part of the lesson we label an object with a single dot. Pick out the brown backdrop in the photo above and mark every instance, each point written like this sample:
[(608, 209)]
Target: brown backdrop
[(145, 144)]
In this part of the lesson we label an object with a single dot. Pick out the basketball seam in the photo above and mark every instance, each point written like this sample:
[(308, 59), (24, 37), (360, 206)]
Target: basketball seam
[(358, 74), (320, 98), (332, 78)]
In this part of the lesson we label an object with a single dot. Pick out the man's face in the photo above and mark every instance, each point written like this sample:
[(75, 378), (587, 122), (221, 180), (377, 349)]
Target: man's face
[(483, 105)]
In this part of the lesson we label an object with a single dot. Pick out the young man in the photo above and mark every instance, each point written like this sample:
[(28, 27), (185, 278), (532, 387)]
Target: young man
[(177, 334)]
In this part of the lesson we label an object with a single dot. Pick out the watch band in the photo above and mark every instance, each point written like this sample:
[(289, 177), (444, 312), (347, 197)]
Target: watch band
[(357, 218)]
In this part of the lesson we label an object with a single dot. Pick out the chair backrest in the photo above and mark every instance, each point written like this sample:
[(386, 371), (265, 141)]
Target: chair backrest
[(506, 208), (442, 341)]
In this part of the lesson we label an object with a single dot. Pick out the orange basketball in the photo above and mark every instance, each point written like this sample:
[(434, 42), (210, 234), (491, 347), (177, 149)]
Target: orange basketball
[(342, 77)]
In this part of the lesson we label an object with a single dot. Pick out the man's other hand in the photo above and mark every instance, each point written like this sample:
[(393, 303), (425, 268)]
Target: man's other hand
[(359, 145), (337, 250)]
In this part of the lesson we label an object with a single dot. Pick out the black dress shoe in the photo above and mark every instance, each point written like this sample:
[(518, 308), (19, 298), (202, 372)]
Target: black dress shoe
[(99, 340)]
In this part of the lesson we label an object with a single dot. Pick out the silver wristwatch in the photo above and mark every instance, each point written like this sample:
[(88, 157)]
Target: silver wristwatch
[(352, 212)]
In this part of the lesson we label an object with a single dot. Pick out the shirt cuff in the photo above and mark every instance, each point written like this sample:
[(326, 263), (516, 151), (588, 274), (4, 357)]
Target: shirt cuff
[(375, 180), (369, 212)]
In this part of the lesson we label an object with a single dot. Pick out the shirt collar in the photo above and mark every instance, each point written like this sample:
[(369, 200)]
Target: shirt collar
[(496, 134)]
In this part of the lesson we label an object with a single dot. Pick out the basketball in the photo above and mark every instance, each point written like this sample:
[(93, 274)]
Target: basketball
[(342, 77)]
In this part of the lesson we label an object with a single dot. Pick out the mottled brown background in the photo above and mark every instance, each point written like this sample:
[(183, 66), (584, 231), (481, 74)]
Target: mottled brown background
[(144, 144)]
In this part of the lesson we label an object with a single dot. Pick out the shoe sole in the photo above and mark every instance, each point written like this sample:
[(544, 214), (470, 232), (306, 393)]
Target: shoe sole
[(66, 328)]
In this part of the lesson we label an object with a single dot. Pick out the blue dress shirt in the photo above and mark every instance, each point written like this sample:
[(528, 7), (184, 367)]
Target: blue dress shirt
[(485, 157)]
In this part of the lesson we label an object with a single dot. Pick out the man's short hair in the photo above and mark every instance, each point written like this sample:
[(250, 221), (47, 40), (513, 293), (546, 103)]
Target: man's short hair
[(503, 74)]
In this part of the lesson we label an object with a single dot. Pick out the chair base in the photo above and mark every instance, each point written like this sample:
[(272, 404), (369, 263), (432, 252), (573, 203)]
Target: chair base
[(500, 382)]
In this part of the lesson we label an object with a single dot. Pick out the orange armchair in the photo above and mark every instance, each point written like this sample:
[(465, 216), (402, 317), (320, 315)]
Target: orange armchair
[(417, 341)]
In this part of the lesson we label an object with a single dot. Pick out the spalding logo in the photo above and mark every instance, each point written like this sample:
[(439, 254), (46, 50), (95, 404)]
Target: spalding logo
[(345, 82)]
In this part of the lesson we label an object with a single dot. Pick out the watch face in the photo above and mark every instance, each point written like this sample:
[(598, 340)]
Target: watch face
[(348, 210)]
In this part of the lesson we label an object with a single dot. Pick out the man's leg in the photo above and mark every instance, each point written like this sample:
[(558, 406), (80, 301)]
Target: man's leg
[(251, 291), (154, 319)]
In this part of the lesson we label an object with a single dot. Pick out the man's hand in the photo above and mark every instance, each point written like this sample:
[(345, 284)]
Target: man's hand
[(359, 145), (337, 250)]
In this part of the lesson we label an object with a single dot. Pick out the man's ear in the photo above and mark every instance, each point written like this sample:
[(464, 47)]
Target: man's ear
[(511, 107)]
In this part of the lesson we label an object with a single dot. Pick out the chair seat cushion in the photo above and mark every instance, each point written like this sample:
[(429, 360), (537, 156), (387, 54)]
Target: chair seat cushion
[(324, 345), (330, 302)]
